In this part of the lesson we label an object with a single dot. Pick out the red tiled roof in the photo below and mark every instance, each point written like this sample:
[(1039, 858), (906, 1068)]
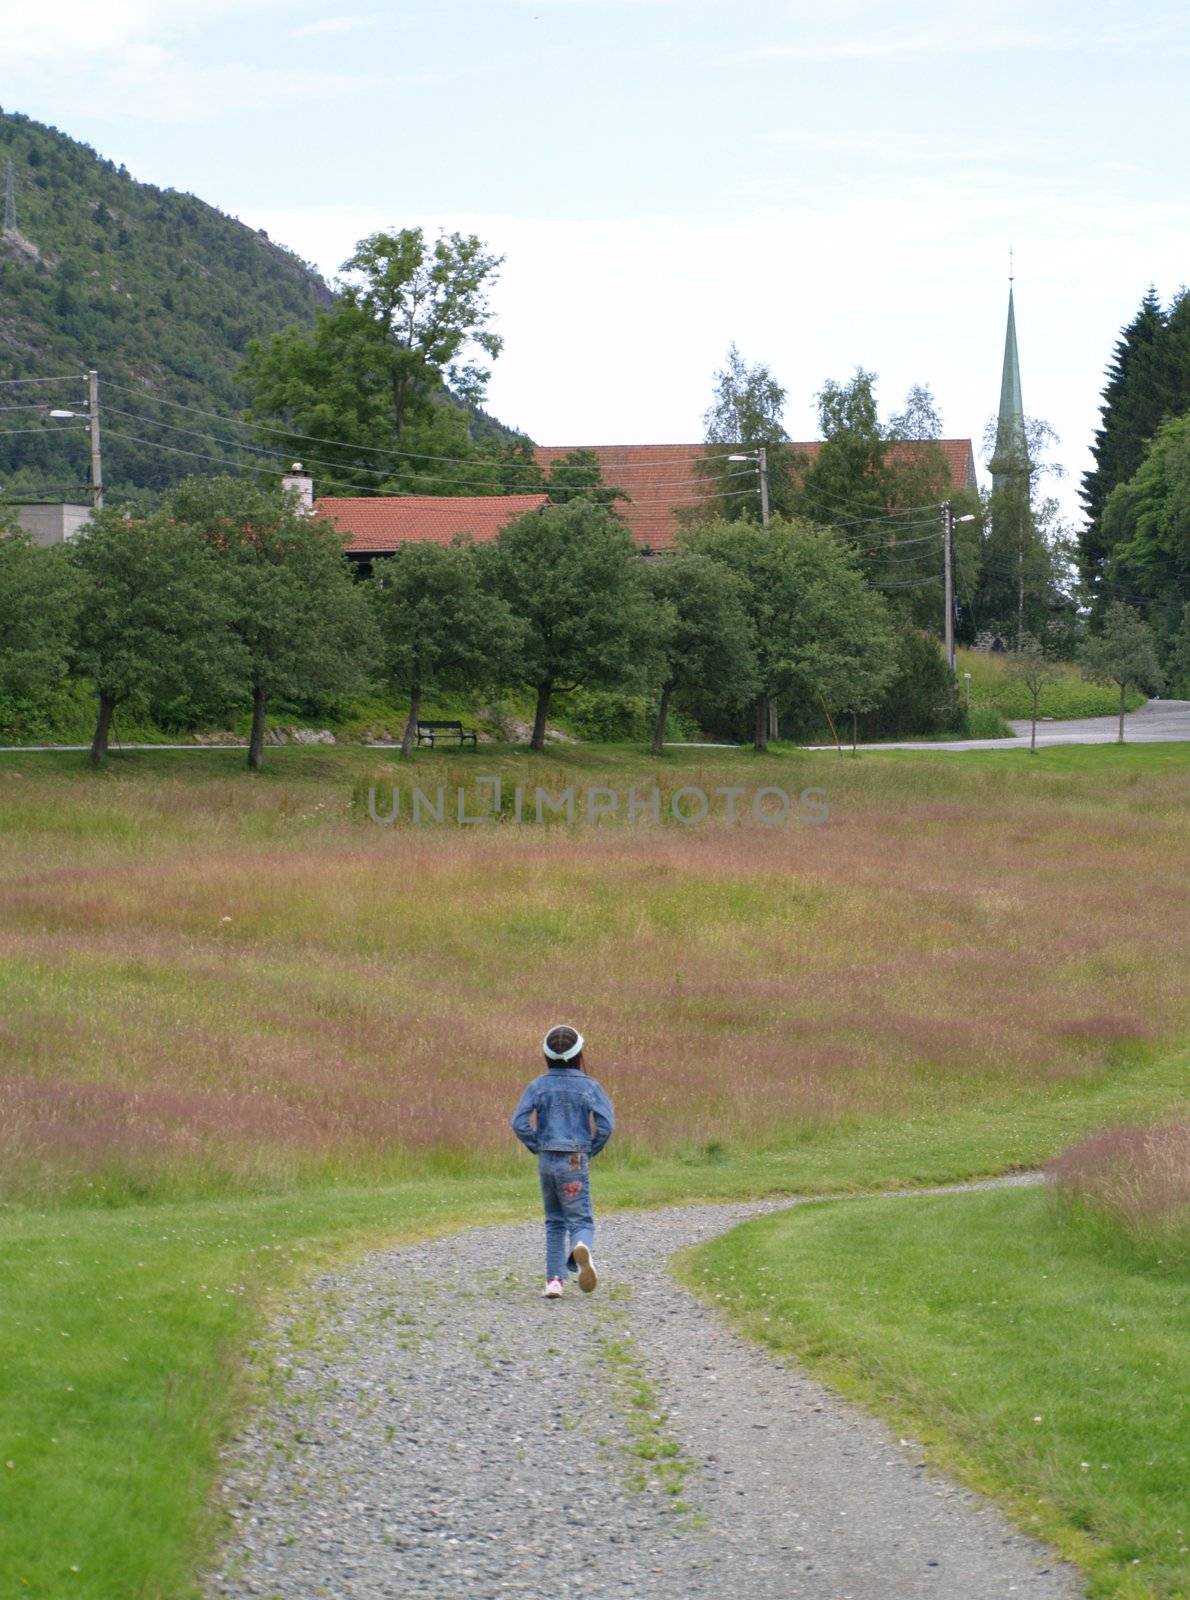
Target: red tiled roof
[(662, 478), (377, 524)]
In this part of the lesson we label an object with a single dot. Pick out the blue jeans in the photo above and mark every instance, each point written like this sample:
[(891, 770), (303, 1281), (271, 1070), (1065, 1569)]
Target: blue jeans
[(566, 1191)]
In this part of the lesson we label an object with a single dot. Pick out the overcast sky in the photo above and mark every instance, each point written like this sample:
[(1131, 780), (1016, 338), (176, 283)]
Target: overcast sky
[(830, 185)]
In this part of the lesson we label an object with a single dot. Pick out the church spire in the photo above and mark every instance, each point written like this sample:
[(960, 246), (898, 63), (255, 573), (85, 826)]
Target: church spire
[(1010, 458)]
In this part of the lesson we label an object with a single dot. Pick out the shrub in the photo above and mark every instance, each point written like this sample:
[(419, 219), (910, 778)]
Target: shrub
[(921, 699), (1136, 1181), (983, 722), (604, 716)]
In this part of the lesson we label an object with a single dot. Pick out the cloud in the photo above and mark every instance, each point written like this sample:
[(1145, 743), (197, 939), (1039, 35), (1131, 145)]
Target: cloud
[(325, 25), (915, 42), (148, 61)]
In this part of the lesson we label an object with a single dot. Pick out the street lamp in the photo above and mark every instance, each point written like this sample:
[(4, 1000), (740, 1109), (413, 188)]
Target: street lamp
[(948, 525), (761, 458), (90, 416)]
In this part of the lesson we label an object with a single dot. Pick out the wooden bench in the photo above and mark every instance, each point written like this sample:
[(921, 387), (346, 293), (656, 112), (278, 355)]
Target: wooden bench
[(430, 732)]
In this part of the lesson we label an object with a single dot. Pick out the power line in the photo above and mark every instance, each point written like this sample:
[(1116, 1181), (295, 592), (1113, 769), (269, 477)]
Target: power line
[(71, 377), (314, 438), (263, 452), (476, 462), (32, 405), (872, 541), (541, 488), (8, 433)]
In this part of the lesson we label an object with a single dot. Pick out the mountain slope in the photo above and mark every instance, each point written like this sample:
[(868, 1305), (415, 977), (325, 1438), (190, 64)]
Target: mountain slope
[(158, 290)]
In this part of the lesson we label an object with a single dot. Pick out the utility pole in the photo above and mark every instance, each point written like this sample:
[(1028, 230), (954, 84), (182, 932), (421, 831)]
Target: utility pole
[(96, 454), (948, 583)]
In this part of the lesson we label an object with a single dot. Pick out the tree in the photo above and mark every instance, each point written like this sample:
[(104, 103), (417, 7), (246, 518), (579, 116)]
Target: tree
[(153, 611), (745, 412), (805, 599), (921, 696), (878, 484), (438, 628), (854, 675), (865, 471), (578, 475), (1122, 653), (1147, 381), (1180, 655), (379, 368), (573, 580), (39, 599), (1025, 555), (1030, 665), (302, 625), (704, 635), (1146, 524)]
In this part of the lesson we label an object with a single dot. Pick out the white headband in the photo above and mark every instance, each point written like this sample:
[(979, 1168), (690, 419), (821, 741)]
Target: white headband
[(563, 1055)]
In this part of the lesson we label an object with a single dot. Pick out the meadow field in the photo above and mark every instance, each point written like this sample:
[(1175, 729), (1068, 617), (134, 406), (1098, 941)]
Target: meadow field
[(243, 1025)]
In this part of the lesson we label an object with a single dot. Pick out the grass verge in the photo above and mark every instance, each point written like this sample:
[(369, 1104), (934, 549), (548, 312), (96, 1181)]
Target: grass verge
[(994, 689), (1041, 1368)]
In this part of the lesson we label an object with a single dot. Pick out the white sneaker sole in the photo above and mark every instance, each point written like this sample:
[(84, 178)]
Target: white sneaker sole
[(587, 1276)]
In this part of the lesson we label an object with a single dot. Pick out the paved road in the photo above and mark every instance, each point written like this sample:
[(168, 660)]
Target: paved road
[(1158, 721), (436, 1430)]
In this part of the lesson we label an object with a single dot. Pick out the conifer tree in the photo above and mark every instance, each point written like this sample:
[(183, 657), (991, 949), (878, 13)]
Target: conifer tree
[(1148, 380)]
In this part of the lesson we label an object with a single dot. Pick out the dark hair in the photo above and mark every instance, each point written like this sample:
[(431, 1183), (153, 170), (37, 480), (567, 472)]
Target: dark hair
[(562, 1039)]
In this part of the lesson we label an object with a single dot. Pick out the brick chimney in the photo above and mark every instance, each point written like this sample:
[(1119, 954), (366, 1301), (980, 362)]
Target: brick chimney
[(298, 481)]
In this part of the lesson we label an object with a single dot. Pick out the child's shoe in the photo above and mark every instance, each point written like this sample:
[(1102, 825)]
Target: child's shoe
[(587, 1276), (553, 1289)]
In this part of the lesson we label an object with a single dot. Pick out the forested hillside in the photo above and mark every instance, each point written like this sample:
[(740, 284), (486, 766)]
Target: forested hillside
[(158, 290)]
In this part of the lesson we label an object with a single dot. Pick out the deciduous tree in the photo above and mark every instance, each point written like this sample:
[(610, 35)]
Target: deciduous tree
[(745, 412), (808, 606), (154, 611), (302, 624), (1146, 523), (39, 598), (410, 327), (1122, 653), (439, 628), (1030, 666), (573, 580), (704, 635)]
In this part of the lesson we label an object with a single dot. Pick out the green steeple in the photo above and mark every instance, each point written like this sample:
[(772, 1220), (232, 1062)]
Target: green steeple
[(1011, 456)]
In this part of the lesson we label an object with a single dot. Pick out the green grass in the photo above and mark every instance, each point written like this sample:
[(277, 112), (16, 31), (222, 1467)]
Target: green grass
[(123, 1331), (878, 981), (993, 689), (1041, 1367)]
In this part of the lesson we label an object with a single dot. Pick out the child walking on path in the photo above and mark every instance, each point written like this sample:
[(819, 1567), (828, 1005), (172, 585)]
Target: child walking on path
[(564, 1119)]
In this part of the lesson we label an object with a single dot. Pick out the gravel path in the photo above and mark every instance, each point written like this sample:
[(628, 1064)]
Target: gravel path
[(436, 1429)]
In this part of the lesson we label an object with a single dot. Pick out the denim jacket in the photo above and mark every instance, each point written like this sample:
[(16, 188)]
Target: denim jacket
[(564, 1101)]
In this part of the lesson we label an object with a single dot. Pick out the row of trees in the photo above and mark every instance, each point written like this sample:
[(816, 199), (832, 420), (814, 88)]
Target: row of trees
[(228, 596)]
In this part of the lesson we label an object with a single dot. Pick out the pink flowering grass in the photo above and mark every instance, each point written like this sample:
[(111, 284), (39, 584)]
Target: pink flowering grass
[(1136, 1180), (248, 982)]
